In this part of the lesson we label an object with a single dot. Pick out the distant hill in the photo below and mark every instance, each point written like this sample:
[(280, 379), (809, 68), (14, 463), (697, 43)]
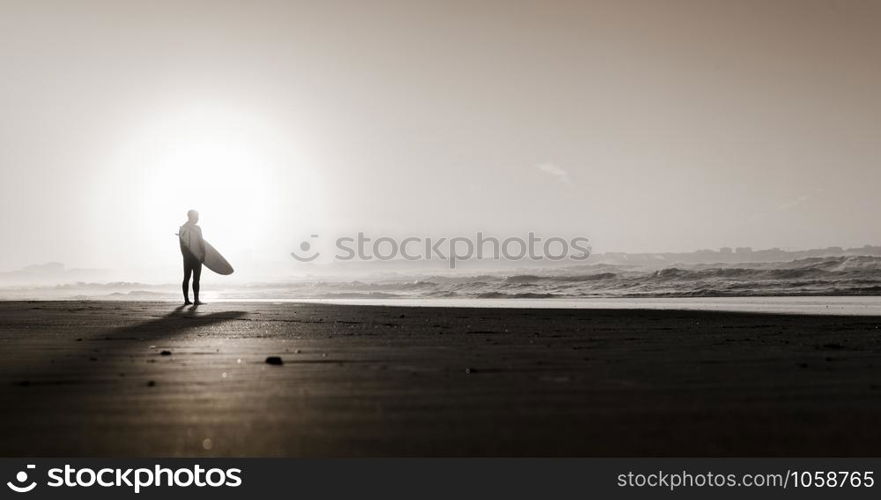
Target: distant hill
[(51, 273)]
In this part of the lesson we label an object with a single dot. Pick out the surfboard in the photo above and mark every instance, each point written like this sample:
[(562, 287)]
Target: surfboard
[(213, 260)]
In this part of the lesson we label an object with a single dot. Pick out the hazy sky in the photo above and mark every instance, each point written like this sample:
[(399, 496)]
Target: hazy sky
[(645, 125)]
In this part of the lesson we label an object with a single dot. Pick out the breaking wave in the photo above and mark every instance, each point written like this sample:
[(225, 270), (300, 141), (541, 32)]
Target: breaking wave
[(815, 276)]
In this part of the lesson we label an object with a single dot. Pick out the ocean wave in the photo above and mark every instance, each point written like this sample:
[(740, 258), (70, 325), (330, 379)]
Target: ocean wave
[(848, 275)]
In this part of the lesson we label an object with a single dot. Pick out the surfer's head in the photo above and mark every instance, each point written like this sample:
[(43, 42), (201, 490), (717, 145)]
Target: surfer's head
[(193, 216)]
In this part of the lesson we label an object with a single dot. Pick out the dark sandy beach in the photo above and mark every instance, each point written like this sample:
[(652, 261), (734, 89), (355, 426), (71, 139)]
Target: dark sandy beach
[(90, 378)]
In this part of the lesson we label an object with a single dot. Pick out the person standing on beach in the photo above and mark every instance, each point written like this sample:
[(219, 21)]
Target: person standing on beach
[(192, 247)]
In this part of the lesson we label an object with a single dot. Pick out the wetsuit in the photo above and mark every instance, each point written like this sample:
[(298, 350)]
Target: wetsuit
[(191, 238)]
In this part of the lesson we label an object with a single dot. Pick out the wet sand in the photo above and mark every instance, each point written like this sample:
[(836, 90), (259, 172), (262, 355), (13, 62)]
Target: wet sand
[(90, 378)]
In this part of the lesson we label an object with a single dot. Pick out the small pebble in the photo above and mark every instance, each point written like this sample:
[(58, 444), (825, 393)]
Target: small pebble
[(151, 383), (274, 360), (165, 353)]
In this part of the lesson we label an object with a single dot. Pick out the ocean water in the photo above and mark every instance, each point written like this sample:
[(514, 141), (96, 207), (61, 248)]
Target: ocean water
[(851, 284), (805, 277)]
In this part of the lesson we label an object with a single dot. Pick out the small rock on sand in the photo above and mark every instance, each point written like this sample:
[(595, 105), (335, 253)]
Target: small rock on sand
[(274, 360), (165, 353)]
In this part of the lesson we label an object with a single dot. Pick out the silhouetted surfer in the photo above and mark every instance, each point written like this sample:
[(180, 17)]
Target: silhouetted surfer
[(192, 246)]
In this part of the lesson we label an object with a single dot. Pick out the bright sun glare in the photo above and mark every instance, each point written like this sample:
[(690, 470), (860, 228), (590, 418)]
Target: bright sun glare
[(220, 175), (232, 167)]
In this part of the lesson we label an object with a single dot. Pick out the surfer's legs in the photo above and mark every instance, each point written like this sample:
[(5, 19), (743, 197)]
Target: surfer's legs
[(197, 273), (188, 270)]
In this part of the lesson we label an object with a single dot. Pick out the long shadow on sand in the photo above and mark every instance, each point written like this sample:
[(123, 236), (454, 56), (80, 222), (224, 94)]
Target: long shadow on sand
[(85, 362), (179, 321)]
